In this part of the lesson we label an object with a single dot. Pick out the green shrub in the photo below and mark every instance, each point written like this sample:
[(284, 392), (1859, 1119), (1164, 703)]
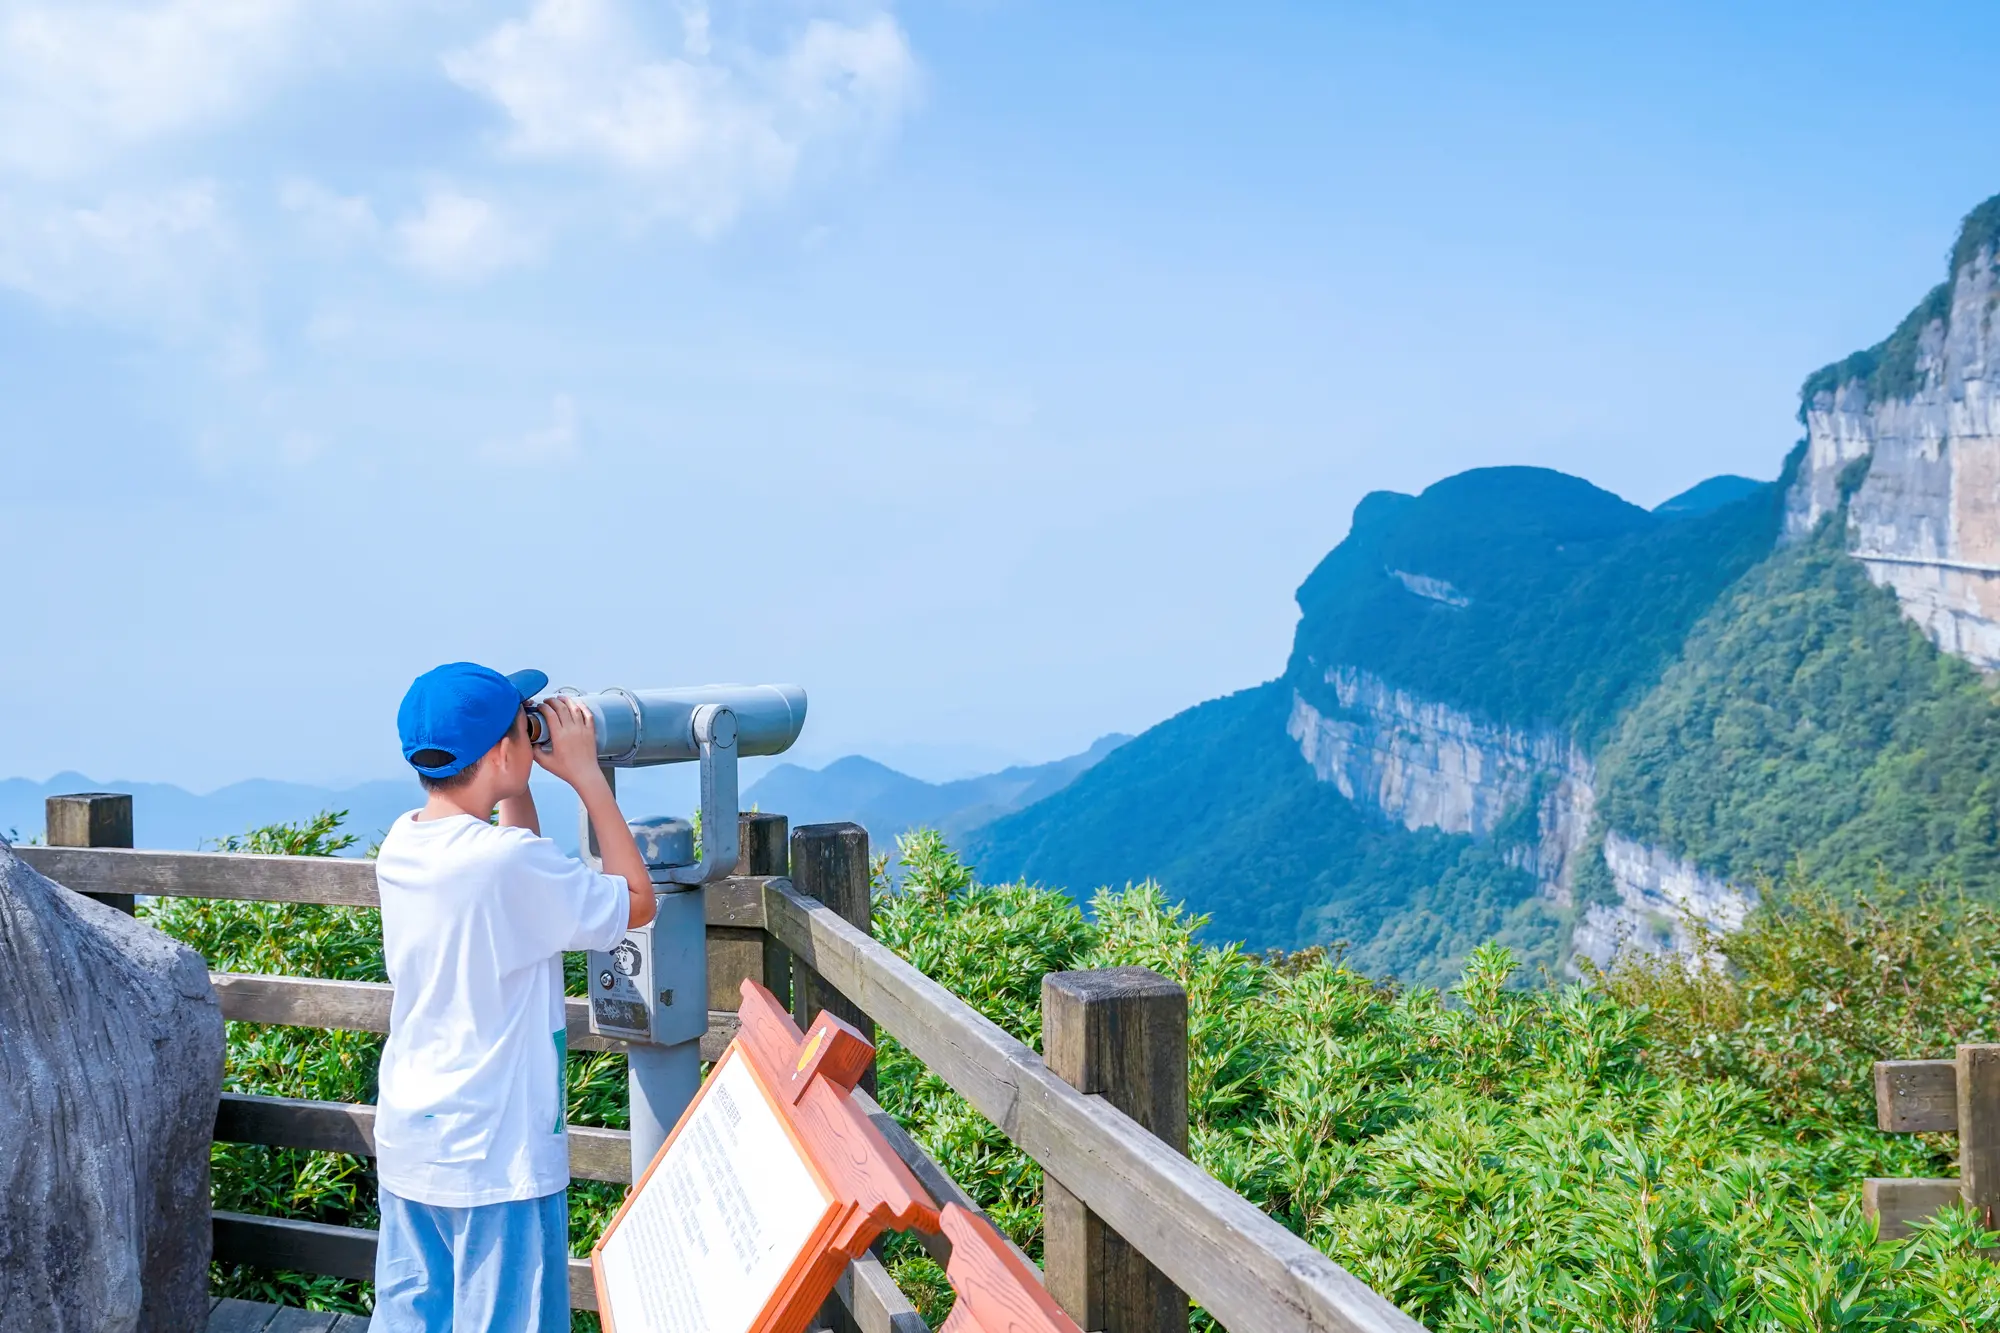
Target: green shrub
[(1666, 1148)]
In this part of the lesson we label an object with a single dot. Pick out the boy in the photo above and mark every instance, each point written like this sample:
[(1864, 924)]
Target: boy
[(470, 1146)]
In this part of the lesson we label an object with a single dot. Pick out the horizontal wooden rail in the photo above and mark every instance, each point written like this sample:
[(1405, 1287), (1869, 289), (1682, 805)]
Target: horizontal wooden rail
[(363, 1006), (1244, 1268), (288, 1122), (1914, 1096), (340, 881), (876, 1302), (349, 1252), (1896, 1204)]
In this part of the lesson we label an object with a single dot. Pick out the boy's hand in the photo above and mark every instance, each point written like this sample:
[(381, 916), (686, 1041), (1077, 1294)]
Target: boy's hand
[(572, 756), (572, 747)]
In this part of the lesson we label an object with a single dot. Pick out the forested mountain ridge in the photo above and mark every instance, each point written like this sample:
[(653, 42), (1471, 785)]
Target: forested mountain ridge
[(1517, 705)]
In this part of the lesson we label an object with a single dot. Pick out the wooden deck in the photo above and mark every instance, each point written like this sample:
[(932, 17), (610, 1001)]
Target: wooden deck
[(230, 1315)]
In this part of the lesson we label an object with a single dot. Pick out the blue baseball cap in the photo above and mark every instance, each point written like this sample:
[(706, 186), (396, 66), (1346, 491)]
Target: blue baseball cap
[(454, 714)]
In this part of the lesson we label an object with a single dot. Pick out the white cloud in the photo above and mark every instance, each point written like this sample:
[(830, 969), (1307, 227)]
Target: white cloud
[(461, 237), (553, 443), (83, 78), (153, 256), (705, 129), (329, 219)]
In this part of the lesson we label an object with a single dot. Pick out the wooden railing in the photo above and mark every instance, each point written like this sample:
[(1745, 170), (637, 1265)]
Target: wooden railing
[(1958, 1096), (1133, 1227)]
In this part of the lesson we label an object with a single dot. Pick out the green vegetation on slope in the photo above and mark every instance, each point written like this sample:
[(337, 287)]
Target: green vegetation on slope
[(1889, 368), (1219, 796), (1560, 606), (1808, 719), (1667, 1150), (1517, 1160), (1576, 600)]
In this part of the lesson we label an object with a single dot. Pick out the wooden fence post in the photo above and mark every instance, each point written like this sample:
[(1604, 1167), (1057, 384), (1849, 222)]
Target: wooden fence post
[(1121, 1033), (1979, 1129), (92, 819), (830, 863), (766, 844)]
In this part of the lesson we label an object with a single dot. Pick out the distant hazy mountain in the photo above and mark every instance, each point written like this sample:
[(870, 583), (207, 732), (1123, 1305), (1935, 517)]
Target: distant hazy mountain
[(1714, 493), (887, 802), (166, 816), (873, 795)]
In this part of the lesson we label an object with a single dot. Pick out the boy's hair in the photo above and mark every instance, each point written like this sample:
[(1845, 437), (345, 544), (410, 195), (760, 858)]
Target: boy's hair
[(455, 781)]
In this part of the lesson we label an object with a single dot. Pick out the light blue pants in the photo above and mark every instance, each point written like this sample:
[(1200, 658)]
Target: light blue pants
[(497, 1268)]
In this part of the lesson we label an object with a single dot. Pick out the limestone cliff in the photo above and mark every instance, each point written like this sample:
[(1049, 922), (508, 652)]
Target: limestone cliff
[(1910, 431), (1428, 765), (1657, 895)]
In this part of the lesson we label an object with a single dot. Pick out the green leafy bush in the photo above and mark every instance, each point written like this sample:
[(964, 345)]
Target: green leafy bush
[(1808, 719), (1640, 1152)]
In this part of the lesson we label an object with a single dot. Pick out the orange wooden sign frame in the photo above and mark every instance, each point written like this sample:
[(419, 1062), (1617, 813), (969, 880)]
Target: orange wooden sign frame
[(806, 1078), (997, 1291)]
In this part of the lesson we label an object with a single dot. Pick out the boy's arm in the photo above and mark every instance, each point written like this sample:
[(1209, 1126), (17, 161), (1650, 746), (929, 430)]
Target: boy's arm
[(572, 756)]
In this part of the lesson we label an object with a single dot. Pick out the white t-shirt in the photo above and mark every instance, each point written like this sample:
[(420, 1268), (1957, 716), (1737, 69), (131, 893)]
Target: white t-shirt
[(475, 920)]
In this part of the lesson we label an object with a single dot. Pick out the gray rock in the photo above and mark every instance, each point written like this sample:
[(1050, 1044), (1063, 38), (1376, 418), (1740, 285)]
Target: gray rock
[(110, 1070)]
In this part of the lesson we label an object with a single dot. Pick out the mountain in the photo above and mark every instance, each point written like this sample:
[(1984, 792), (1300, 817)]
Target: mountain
[(888, 803), (1711, 494), (1519, 706), (171, 817), (884, 801)]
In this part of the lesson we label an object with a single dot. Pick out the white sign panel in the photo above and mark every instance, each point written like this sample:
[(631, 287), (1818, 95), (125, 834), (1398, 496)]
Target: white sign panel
[(720, 1220)]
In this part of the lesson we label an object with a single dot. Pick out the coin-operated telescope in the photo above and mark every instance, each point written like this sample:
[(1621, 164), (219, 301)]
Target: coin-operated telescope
[(651, 990)]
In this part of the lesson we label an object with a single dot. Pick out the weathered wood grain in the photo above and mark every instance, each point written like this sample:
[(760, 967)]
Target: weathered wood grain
[(1912, 1096), (232, 1315), (1248, 1271), (1120, 1033), (1978, 1070), (767, 851), (91, 819), (341, 881), (733, 954), (307, 1247), (289, 1320), (1896, 1203), (830, 863), (363, 1006), (291, 1122), (288, 1122), (310, 1247)]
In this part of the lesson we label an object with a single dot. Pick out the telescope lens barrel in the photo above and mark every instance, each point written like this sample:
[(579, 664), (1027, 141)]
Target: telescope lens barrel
[(636, 728)]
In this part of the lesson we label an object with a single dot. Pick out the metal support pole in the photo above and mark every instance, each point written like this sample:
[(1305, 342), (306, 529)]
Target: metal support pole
[(662, 1079)]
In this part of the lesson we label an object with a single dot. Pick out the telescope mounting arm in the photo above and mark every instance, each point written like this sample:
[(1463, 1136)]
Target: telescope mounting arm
[(715, 735)]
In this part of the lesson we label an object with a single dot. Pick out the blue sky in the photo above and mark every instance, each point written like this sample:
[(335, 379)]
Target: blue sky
[(995, 370)]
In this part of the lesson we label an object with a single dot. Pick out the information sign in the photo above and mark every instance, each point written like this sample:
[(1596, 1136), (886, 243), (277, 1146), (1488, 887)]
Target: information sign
[(772, 1181)]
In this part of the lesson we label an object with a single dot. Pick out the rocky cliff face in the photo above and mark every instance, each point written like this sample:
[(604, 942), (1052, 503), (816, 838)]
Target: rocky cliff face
[(1917, 419), (1657, 894), (1428, 765)]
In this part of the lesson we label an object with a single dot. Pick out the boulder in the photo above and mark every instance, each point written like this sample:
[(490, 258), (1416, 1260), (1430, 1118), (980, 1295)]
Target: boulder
[(110, 1069)]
